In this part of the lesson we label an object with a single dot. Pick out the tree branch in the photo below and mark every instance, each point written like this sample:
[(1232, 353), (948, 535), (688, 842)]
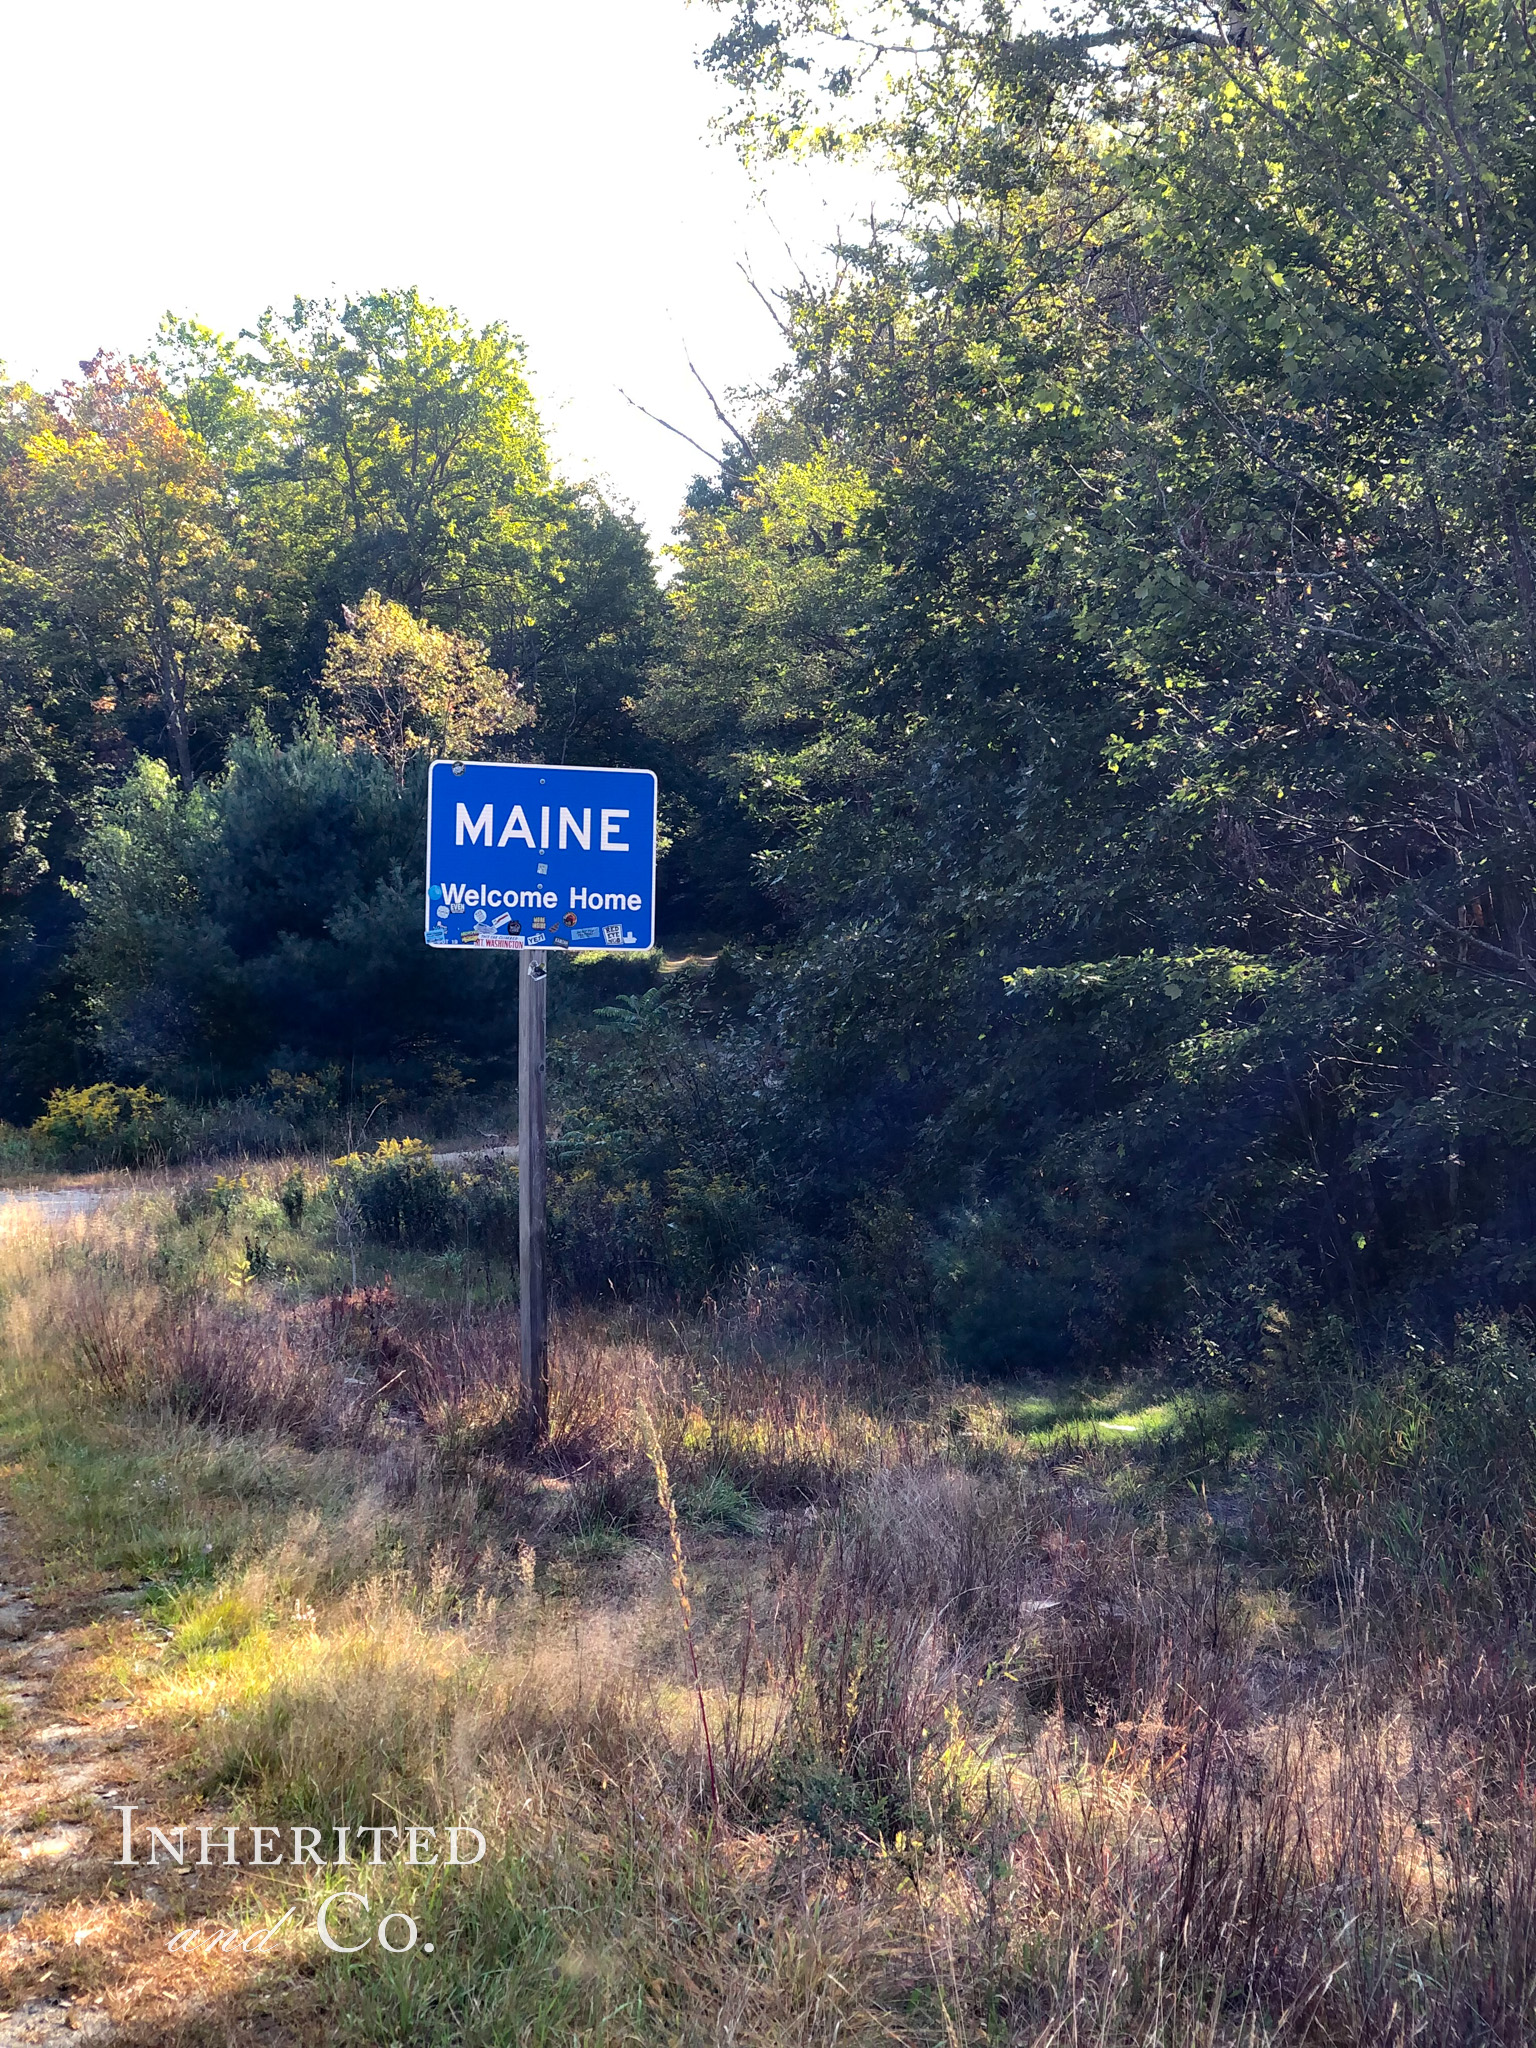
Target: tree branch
[(656, 416), (729, 425)]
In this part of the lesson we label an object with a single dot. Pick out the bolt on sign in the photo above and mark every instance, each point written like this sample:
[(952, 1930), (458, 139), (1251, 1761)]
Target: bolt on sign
[(526, 855)]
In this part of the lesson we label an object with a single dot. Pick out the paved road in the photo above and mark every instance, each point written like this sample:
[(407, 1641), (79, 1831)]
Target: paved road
[(475, 1152), (59, 1205), (49, 1205)]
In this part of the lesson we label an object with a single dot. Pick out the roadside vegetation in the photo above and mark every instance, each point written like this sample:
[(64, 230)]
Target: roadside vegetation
[(1036, 1711), (1035, 1539), (1093, 704)]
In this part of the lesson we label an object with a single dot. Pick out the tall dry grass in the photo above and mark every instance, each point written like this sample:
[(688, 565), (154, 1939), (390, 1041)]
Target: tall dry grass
[(1003, 1750)]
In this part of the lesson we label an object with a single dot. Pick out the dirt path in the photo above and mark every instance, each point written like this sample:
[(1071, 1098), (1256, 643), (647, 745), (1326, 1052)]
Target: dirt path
[(83, 1940), (58, 1778), (20, 1206)]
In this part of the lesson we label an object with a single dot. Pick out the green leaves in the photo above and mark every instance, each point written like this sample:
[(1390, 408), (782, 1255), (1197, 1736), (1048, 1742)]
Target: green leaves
[(181, 542), (1144, 779), (402, 688), (124, 516), (419, 437)]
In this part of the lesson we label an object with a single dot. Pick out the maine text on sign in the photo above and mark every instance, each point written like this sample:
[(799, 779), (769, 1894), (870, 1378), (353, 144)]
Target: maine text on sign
[(524, 854)]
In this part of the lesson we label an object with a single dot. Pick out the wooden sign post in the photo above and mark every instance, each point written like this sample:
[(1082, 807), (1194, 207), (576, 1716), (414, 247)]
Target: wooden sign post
[(532, 985)]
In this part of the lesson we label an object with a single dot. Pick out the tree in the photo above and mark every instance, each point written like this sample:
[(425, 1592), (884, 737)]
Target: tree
[(39, 720), (272, 917), (180, 542), (384, 444), (125, 515), (1181, 921), (418, 438), (765, 679), (403, 688)]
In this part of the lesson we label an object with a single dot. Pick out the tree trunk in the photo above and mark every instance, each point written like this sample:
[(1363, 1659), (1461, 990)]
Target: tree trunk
[(173, 700)]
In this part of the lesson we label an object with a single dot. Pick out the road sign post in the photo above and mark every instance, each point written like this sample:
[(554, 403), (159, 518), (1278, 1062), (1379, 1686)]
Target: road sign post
[(532, 986), (529, 858)]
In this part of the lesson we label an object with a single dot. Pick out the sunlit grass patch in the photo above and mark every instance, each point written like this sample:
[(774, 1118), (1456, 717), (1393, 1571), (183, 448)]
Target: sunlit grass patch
[(1147, 1419), (1131, 1433), (145, 1501), (204, 1628), (1039, 1414)]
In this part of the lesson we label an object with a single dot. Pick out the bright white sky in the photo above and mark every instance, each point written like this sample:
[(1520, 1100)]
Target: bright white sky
[(540, 163)]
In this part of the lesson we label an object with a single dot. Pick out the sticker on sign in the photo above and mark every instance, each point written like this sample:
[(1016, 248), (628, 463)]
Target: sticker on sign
[(507, 838)]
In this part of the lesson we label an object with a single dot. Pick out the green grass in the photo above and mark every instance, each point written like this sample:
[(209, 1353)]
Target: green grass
[(1088, 1410), (211, 1251), (149, 1500), (510, 1962), (596, 1540), (921, 1660), (1158, 1436), (720, 1506)]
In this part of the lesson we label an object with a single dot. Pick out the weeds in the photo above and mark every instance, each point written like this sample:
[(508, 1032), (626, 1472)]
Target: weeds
[(104, 1125), (292, 1194), (679, 1583), (1011, 1732)]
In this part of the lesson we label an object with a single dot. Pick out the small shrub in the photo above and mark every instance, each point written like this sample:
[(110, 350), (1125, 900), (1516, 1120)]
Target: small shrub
[(192, 1204), (848, 1814), (718, 1504), (602, 1235), (401, 1195), (884, 1284), (17, 1148), (104, 1125), (309, 1103), (219, 1197), (712, 1222), (1427, 1469), (291, 1195), (487, 1210)]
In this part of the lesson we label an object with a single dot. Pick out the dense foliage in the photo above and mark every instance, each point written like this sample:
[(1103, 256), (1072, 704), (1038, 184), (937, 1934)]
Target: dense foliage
[(1123, 641), (281, 570), (1096, 699)]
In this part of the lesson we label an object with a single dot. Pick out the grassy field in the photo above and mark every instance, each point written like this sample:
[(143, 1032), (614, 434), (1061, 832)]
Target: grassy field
[(797, 1698)]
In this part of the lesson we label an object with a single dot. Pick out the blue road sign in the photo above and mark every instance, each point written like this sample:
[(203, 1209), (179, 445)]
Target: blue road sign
[(523, 854)]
